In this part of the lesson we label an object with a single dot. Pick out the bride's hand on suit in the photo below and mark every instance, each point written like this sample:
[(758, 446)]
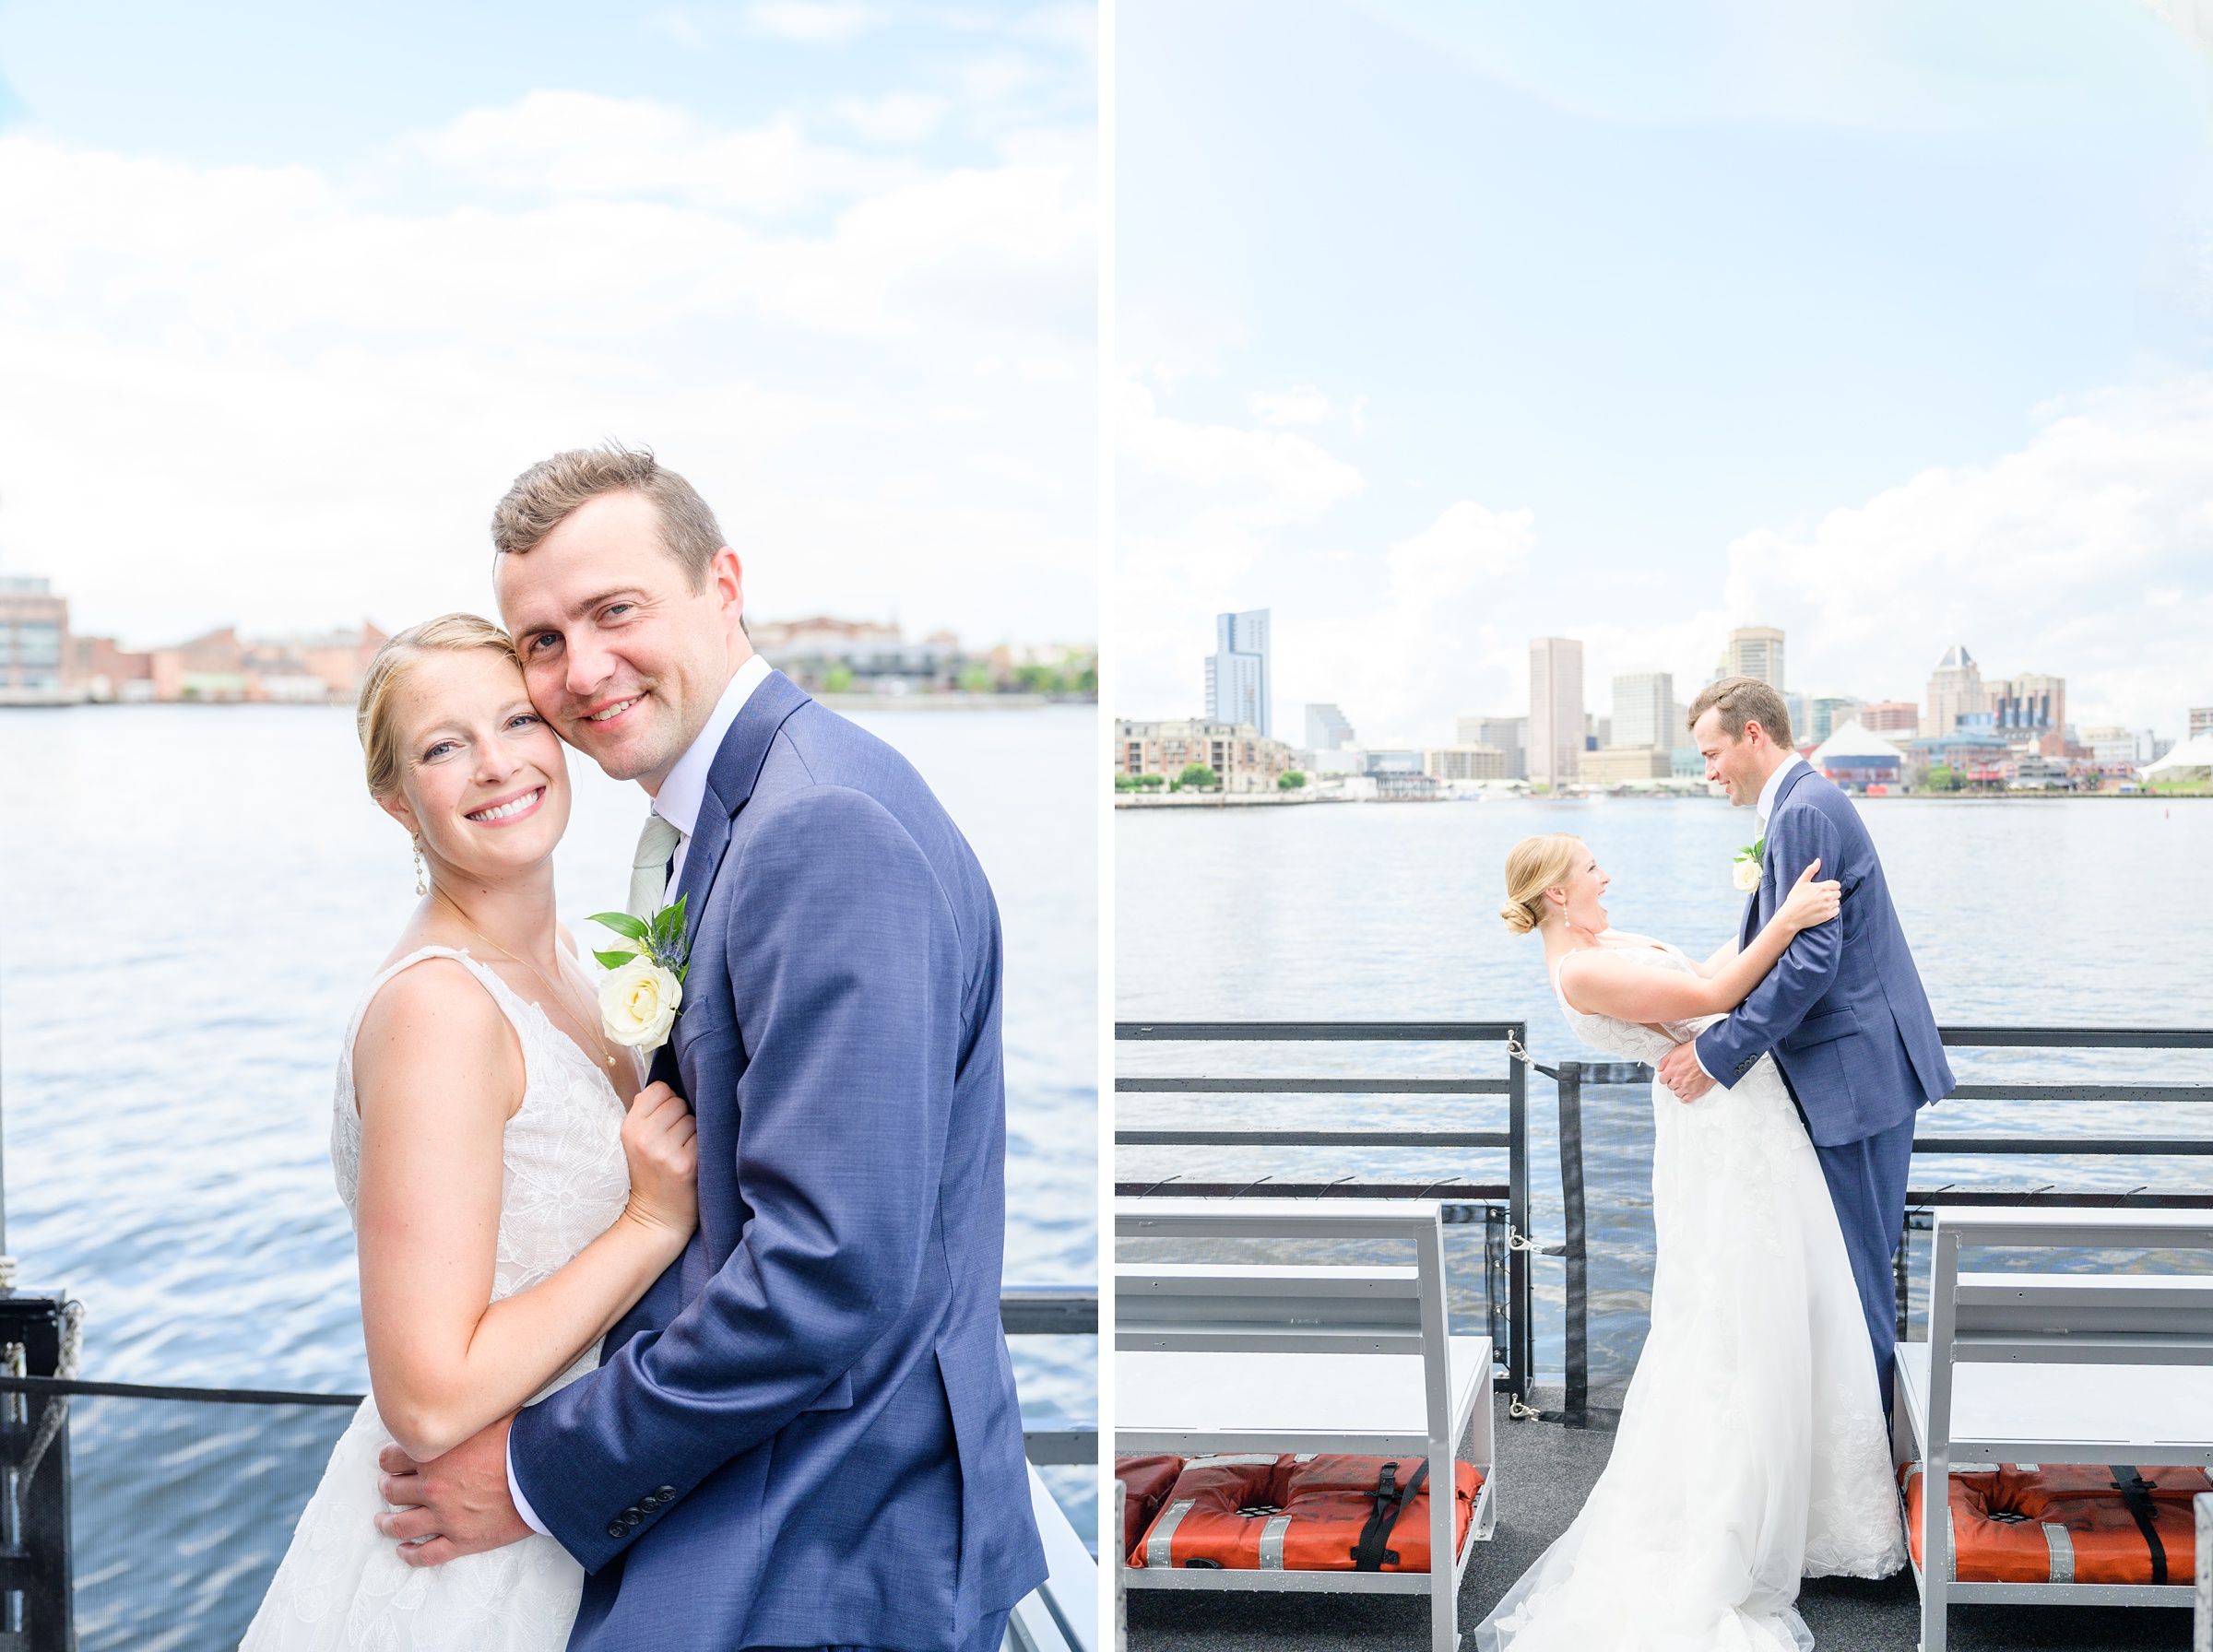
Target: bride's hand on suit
[(660, 1143)]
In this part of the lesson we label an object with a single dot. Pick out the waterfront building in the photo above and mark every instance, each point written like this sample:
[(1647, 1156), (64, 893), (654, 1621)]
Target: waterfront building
[(36, 658), (1644, 709), (1242, 757), (1980, 757), (2030, 705), (1615, 765), (823, 655), (2201, 721), (1954, 692), (1511, 734), (1236, 673), (2115, 750), (1754, 651), (1891, 716), (1555, 709), (1855, 757), (1474, 761), (1825, 714), (1395, 761), (1327, 729)]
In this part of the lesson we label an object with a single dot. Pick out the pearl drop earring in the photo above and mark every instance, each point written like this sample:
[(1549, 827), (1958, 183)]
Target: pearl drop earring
[(422, 886)]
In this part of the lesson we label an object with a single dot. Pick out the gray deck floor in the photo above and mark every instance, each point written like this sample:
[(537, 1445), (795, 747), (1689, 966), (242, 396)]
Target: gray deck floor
[(1545, 1472)]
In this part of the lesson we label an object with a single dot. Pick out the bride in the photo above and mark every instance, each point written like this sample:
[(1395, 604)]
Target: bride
[(513, 1189), (1752, 1449)]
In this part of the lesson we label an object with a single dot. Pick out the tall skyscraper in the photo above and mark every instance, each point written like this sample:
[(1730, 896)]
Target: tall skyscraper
[(1327, 729), (1954, 692), (2027, 704), (1644, 710), (1236, 672), (1754, 651), (1555, 709)]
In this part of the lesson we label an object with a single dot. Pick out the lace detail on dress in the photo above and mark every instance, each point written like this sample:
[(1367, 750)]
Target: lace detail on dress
[(564, 1183)]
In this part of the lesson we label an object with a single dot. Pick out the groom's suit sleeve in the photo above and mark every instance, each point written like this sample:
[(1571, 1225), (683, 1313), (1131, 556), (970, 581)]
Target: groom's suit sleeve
[(845, 967), (1807, 968)]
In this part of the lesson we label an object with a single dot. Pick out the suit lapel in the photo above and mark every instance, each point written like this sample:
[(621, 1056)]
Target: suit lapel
[(730, 784), (1769, 896)]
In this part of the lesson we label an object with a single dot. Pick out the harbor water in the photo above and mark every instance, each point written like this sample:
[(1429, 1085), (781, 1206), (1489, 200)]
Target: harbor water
[(2085, 912), (193, 898)]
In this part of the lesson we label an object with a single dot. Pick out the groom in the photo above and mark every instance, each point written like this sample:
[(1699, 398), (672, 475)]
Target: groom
[(807, 1433), (1842, 1012)]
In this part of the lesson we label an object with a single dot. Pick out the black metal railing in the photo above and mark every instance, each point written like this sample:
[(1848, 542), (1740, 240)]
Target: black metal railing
[(159, 1507), (1501, 1207), (1572, 1077)]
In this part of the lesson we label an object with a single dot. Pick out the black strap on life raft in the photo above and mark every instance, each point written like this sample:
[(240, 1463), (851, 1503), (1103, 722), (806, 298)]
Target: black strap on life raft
[(2136, 1493), (1368, 1553)]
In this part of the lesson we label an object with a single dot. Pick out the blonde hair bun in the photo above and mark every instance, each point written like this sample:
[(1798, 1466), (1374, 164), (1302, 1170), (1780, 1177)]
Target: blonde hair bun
[(1534, 865)]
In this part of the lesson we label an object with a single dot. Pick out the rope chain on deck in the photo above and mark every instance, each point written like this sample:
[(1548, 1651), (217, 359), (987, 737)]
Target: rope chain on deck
[(56, 1409)]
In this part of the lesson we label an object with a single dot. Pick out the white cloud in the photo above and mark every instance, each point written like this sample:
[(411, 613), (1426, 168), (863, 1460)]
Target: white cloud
[(2083, 554), (1199, 505), (817, 22), (896, 117), (1302, 404), (254, 395)]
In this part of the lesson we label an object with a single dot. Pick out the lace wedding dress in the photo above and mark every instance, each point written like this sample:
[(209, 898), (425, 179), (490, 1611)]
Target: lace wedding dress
[(1752, 1449), (563, 1183)]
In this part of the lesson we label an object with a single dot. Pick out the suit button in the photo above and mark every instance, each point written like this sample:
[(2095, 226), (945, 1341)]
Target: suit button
[(649, 1503), (632, 1517), (665, 1493), (614, 1528)]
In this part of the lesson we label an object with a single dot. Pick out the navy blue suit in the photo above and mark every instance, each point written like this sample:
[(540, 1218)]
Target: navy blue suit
[(807, 1433), (1845, 1017)]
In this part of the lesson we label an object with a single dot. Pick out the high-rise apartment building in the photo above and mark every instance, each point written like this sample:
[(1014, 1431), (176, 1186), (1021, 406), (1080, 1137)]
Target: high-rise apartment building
[(1825, 714), (35, 652), (1327, 729), (1236, 672), (1511, 734), (1645, 712), (1555, 709), (1754, 651), (2201, 721), (2027, 705), (1954, 692)]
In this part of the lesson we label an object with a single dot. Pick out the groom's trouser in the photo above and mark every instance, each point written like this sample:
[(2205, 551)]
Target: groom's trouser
[(987, 1637), (1867, 1185)]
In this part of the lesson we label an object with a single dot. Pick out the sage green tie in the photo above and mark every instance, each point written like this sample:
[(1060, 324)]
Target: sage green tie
[(649, 867)]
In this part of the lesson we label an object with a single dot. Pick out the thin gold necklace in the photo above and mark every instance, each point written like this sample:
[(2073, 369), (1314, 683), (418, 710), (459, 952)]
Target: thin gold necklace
[(561, 998)]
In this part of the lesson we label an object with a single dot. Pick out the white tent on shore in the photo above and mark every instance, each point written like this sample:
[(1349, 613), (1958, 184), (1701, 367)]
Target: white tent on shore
[(2192, 759)]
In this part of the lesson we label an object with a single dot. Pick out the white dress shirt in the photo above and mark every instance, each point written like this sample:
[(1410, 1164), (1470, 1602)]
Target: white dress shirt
[(678, 803), (1763, 808)]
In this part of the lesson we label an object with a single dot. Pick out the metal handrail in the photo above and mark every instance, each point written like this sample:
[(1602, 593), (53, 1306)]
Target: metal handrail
[(1571, 1076), (1504, 1205)]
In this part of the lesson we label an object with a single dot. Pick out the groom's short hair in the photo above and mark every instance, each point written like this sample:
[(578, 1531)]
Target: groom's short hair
[(1743, 699), (546, 492)]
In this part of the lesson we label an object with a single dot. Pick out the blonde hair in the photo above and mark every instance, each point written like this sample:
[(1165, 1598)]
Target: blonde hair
[(542, 497), (375, 715), (1534, 865)]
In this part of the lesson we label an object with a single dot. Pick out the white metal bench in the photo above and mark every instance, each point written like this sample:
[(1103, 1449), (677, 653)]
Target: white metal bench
[(2054, 1368), (1215, 1357)]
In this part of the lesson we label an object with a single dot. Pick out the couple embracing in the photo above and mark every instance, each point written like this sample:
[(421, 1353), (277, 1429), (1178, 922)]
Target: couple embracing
[(1754, 1447), (682, 1335)]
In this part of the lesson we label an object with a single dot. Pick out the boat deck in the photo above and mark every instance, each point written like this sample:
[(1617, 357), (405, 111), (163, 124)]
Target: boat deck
[(1545, 1472)]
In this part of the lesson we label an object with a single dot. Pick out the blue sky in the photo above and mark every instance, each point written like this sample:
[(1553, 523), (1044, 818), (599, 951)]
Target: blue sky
[(289, 292), (1442, 325)]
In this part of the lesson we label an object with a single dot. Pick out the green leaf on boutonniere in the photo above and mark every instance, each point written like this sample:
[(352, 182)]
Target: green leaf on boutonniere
[(621, 923), (1754, 851), (614, 961)]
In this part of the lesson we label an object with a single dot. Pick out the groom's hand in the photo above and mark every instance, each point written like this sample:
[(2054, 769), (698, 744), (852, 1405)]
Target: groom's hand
[(451, 1506), (1680, 1071)]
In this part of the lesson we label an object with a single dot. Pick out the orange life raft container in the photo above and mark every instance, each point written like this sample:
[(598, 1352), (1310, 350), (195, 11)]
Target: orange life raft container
[(2045, 1522), (1147, 1482), (1309, 1513)]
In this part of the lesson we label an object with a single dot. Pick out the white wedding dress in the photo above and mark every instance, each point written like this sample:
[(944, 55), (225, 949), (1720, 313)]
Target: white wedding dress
[(564, 1182), (1752, 1449)]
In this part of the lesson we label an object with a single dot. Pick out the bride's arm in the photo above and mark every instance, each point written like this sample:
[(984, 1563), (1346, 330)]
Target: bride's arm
[(1603, 983), (437, 1074), (1721, 959)]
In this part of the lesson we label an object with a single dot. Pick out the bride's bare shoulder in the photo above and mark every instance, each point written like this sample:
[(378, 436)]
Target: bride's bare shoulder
[(434, 1018)]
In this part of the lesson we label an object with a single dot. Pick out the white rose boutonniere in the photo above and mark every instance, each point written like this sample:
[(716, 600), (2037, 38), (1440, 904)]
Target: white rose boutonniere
[(1748, 864), (645, 985)]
